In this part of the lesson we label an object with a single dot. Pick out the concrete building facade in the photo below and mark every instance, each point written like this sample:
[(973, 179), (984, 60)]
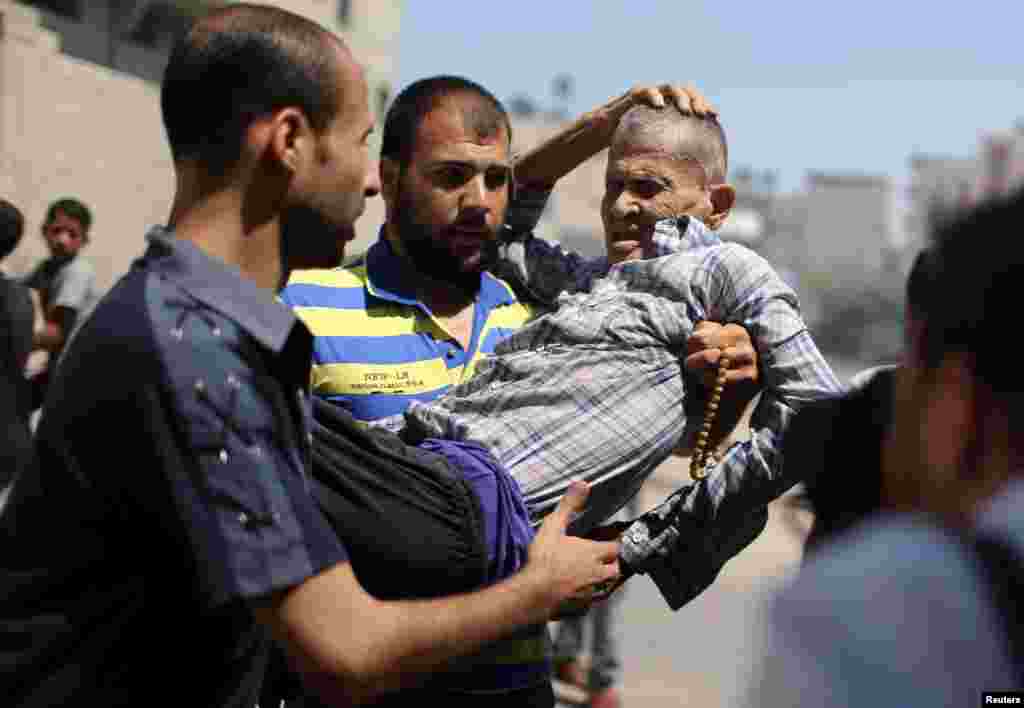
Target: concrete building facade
[(941, 185), (847, 229), (80, 113)]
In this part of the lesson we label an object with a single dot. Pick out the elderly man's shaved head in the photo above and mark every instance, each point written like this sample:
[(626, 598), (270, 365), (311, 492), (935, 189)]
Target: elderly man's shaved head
[(682, 137), (662, 165)]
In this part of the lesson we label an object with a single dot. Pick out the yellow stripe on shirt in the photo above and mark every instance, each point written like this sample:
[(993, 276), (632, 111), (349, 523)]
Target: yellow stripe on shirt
[(380, 321), (332, 278)]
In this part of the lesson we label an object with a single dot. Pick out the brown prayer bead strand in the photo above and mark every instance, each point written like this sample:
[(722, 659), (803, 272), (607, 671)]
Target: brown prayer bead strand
[(698, 462)]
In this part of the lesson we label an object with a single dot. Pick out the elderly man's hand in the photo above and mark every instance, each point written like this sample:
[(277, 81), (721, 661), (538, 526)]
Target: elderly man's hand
[(705, 347)]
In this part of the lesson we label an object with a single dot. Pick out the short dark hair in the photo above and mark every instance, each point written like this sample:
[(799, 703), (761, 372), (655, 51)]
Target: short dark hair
[(419, 98), (73, 208), (12, 226), (976, 266), (236, 64)]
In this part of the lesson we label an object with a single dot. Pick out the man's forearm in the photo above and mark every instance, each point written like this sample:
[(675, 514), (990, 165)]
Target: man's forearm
[(545, 164), (592, 132), (396, 644), (429, 634)]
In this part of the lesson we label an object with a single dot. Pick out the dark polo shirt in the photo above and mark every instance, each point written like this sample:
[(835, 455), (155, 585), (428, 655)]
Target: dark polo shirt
[(172, 490)]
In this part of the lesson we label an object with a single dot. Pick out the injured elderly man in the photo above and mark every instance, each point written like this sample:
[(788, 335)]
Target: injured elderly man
[(594, 388)]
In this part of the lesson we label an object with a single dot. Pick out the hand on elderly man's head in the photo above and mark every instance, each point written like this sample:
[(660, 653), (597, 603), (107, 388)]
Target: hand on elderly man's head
[(687, 99)]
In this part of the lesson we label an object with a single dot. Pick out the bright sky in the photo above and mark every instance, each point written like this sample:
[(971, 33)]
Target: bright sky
[(830, 85)]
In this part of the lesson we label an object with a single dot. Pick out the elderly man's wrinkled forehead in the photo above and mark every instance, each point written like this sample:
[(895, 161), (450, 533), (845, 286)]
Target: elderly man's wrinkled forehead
[(691, 143)]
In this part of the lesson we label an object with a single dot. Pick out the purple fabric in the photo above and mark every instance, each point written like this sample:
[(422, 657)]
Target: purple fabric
[(507, 529)]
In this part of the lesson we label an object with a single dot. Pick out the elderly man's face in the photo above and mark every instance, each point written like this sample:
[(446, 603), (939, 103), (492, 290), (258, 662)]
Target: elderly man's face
[(643, 186)]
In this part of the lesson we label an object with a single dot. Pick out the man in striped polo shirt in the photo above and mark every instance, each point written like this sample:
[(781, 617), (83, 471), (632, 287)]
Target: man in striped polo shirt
[(414, 315)]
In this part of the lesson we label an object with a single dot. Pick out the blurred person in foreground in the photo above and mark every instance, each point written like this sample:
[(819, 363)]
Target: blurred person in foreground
[(17, 318), (171, 533), (917, 603), (836, 444)]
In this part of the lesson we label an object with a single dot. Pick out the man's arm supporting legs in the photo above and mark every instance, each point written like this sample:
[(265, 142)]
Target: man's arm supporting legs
[(350, 647)]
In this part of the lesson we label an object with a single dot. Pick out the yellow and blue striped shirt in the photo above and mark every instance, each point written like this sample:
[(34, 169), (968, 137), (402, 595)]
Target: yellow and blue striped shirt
[(377, 347)]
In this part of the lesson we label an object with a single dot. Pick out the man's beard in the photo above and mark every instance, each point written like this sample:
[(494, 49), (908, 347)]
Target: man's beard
[(425, 247)]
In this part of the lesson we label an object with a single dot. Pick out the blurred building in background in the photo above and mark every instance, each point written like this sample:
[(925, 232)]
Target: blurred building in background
[(847, 230), (942, 185), (80, 113)]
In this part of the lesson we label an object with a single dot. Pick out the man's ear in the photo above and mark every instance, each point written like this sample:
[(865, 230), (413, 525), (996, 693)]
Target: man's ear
[(285, 138), (389, 175), (723, 197)]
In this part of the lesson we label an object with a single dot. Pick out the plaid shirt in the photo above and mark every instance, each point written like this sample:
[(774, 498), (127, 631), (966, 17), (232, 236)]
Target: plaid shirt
[(595, 390)]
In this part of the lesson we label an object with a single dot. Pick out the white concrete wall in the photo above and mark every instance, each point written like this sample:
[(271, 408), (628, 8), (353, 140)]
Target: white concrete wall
[(75, 128)]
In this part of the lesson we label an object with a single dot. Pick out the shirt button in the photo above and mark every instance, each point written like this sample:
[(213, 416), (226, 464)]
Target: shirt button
[(451, 354)]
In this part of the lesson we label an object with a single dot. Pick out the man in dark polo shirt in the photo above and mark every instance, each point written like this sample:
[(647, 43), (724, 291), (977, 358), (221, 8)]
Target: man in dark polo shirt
[(171, 532)]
